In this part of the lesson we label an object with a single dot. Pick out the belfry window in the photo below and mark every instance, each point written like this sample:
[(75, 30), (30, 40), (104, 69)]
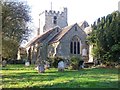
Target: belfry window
[(75, 45), (55, 20)]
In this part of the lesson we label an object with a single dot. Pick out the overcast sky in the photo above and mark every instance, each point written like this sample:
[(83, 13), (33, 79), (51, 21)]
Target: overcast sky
[(78, 10)]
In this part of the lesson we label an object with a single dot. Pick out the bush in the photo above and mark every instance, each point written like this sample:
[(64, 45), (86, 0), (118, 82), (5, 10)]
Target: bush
[(11, 61), (54, 61), (74, 63)]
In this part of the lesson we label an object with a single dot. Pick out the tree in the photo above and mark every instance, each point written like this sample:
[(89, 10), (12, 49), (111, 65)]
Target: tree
[(105, 38), (15, 19)]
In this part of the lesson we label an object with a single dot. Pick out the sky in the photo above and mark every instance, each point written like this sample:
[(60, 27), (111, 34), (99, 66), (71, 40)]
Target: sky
[(78, 10)]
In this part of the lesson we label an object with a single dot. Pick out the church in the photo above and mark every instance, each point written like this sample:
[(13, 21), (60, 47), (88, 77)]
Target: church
[(59, 39)]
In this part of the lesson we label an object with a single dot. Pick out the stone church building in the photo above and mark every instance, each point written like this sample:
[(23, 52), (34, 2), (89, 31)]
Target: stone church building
[(59, 39)]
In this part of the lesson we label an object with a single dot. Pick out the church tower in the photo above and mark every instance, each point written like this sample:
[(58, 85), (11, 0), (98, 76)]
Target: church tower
[(51, 19)]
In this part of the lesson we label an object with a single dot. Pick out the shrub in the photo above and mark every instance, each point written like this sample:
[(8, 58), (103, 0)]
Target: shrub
[(54, 61), (74, 62)]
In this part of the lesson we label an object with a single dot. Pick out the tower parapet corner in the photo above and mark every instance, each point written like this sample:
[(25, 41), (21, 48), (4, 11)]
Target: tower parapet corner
[(61, 13), (65, 9)]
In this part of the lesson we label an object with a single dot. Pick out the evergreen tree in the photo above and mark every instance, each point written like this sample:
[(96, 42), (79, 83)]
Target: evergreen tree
[(106, 38)]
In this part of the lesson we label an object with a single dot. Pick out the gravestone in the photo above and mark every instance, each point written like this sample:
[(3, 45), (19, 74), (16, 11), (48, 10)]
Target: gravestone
[(27, 63), (81, 64), (84, 52), (41, 68), (4, 63), (61, 66)]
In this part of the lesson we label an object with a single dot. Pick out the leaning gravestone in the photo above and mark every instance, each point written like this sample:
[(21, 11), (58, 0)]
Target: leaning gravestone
[(61, 66)]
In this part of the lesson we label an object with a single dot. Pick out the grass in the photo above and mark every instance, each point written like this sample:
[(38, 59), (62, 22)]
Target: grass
[(19, 76)]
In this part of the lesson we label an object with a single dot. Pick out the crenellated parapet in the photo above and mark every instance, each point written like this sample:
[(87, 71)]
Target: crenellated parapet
[(55, 18), (52, 12)]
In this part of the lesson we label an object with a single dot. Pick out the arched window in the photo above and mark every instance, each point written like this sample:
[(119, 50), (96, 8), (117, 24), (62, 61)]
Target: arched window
[(78, 47), (75, 45), (71, 47)]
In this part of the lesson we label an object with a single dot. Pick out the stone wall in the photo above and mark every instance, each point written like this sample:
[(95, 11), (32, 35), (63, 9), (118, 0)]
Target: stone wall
[(61, 19), (63, 48)]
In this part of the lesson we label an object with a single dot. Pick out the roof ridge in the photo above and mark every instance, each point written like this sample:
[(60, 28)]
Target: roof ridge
[(39, 36), (61, 33)]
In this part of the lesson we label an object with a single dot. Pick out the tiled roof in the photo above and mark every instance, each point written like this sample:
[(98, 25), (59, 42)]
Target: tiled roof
[(40, 38), (64, 31), (61, 34)]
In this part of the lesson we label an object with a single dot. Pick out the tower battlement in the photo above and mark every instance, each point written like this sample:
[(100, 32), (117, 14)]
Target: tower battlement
[(49, 19), (55, 18), (52, 12)]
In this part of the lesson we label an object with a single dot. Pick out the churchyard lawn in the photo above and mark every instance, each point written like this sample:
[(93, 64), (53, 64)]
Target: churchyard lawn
[(19, 76)]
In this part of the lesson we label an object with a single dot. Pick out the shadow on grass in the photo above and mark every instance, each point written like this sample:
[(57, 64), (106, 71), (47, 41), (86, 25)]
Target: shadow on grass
[(75, 84), (84, 78), (56, 74)]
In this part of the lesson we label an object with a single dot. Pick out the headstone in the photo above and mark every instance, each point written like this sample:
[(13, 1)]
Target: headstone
[(84, 52), (81, 64), (41, 68), (27, 63), (61, 66), (4, 63)]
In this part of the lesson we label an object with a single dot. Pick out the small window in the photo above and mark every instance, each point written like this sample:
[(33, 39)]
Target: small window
[(57, 29), (55, 20), (75, 28)]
